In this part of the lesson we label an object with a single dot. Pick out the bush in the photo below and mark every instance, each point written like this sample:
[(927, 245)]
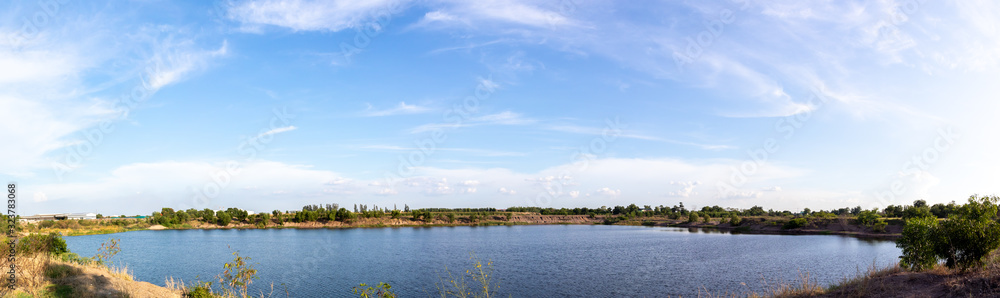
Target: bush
[(200, 291), (968, 236), (795, 223), (735, 220), (964, 240), (224, 218), (917, 244), (917, 212), (38, 243), (693, 217)]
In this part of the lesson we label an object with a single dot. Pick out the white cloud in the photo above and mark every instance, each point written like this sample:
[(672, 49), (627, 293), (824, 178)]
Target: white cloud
[(609, 192), (312, 15), (476, 13), (687, 188), (506, 191), (771, 188), (277, 131), (173, 61), (502, 118), (401, 109), (474, 151), (39, 197)]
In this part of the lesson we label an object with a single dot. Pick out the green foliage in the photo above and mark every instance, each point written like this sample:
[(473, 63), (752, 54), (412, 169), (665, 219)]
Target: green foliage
[(963, 240), (476, 282), (223, 218), (200, 291), (692, 217), (735, 220), (239, 274), (969, 235), (796, 223), (451, 217), (382, 290), (867, 218), (916, 212), (705, 218), (395, 214), (917, 243), (107, 251), (208, 216), (37, 243)]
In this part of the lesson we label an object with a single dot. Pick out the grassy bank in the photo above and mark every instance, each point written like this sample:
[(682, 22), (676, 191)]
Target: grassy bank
[(843, 225)]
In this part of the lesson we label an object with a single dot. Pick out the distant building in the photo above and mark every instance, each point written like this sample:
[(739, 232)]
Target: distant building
[(58, 216)]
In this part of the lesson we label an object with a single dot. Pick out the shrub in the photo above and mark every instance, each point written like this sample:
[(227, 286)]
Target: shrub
[(917, 212), (238, 276), (968, 236), (964, 240), (224, 218), (46, 223), (796, 223), (382, 290), (38, 243), (917, 243), (693, 217), (200, 291), (735, 220)]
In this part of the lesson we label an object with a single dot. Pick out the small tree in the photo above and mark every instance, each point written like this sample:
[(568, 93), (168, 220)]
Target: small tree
[(224, 218), (239, 274), (917, 243), (968, 236), (692, 217), (735, 219)]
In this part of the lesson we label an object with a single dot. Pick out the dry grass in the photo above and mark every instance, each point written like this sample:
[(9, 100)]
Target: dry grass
[(41, 275)]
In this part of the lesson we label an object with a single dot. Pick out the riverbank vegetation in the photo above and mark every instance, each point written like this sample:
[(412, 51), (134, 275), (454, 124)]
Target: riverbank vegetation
[(949, 249), (847, 220)]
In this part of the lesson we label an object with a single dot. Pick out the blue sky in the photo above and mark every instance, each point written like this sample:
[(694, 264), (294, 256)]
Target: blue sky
[(129, 106)]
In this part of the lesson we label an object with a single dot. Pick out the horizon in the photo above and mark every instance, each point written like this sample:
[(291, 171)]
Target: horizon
[(129, 107)]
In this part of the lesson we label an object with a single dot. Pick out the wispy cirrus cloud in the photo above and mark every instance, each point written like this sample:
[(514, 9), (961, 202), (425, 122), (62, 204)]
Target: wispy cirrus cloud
[(401, 109), (308, 15), (277, 130), (502, 118), (629, 135), (476, 13), (474, 151)]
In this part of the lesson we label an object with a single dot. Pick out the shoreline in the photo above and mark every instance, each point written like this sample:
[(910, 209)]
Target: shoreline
[(753, 226)]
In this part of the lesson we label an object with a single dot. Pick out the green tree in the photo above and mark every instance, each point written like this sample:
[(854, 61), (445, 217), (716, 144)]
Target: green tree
[(918, 244), (223, 218), (916, 212), (968, 236), (693, 217), (735, 219), (963, 240), (208, 216)]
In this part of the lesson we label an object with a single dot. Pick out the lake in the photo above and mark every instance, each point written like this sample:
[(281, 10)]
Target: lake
[(528, 261)]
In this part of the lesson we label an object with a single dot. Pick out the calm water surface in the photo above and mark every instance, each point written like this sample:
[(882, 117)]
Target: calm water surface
[(529, 261)]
